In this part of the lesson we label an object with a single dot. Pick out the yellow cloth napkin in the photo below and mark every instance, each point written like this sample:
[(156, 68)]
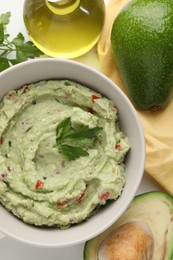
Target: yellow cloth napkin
[(157, 125)]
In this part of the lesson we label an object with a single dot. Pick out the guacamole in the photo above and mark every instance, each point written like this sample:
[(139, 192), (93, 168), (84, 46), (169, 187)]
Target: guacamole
[(38, 184)]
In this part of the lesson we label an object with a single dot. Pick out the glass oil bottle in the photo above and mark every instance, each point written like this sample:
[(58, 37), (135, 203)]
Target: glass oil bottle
[(64, 28)]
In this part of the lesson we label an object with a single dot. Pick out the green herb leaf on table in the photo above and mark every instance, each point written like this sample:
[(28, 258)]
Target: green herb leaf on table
[(4, 64), (74, 143), (20, 49), (1, 33), (5, 18)]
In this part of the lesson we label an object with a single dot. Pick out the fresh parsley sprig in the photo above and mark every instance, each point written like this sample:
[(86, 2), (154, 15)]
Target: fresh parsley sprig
[(16, 50), (74, 143)]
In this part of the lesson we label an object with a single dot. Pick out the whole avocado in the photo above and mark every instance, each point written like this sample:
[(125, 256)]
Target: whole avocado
[(142, 46)]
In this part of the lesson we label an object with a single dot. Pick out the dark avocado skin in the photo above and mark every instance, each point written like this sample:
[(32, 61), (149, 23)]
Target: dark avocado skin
[(142, 46)]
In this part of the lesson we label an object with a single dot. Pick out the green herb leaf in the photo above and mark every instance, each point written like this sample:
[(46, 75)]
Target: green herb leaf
[(84, 143), (63, 128), (4, 63), (84, 132), (20, 49), (19, 40), (5, 18), (71, 152), (73, 143), (25, 50), (1, 33), (13, 61), (6, 35)]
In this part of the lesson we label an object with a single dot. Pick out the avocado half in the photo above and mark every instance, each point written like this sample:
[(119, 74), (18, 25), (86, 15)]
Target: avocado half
[(151, 210)]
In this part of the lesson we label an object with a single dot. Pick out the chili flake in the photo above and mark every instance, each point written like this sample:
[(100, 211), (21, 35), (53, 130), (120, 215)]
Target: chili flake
[(90, 110), (39, 184), (1, 140), (104, 196), (62, 203), (80, 198), (2, 176), (94, 98), (9, 95), (114, 108), (25, 88), (118, 147)]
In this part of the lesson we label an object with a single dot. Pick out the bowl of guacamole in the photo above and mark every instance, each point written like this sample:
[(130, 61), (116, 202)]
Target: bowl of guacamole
[(72, 152)]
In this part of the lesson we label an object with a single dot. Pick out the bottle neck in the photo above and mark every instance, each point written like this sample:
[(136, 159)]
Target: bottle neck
[(62, 7)]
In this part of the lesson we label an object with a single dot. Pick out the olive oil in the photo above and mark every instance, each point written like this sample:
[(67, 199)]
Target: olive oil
[(64, 28)]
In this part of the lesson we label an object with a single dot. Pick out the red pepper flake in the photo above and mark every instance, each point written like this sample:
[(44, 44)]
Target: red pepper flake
[(25, 88), (104, 196), (114, 108), (90, 110), (62, 203), (9, 169), (39, 184), (94, 98), (1, 140), (2, 176), (118, 147), (80, 198), (9, 95)]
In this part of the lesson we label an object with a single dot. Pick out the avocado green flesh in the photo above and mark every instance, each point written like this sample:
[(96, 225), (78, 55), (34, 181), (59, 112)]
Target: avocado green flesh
[(142, 45), (154, 208)]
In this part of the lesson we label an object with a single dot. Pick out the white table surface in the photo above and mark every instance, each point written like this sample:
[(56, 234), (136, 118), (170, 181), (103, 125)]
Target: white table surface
[(14, 250)]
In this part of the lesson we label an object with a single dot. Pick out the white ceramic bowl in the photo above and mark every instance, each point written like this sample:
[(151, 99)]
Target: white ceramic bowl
[(49, 68)]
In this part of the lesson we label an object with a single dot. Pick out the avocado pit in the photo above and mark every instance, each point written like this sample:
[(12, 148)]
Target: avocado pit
[(133, 240)]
